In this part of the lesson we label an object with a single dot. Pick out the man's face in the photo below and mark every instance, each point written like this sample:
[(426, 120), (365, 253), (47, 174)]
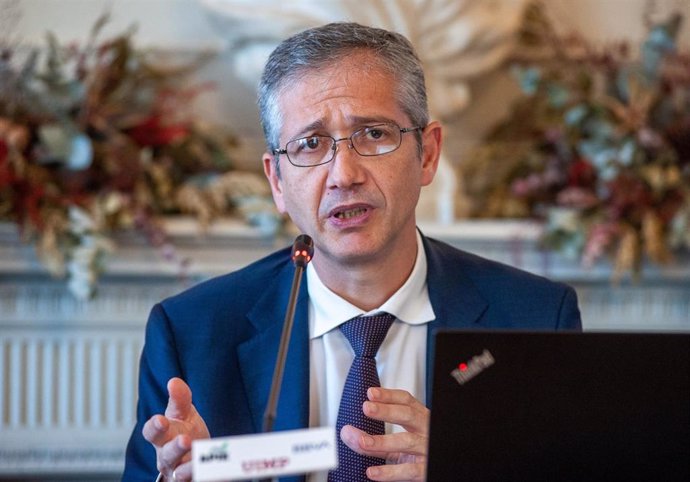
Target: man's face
[(357, 209)]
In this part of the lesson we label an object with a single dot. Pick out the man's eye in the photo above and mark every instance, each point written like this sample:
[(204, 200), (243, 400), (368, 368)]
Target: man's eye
[(377, 133), (308, 144)]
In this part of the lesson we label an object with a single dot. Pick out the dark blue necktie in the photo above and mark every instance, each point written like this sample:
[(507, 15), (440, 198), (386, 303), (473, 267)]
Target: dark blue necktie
[(365, 334)]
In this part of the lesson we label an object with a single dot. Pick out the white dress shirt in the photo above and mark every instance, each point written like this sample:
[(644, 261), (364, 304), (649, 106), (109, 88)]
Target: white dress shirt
[(401, 359)]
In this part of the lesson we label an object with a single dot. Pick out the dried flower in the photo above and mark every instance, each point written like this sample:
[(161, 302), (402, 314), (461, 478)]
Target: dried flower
[(605, 145), (96, 138)]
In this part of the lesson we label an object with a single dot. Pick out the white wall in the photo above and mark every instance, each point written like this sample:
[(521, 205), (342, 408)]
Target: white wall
[(175, 24), (611, 20), (182, 25)]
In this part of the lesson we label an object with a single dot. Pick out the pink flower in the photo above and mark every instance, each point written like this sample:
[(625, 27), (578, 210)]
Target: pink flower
[(577, 197), (600, 237)]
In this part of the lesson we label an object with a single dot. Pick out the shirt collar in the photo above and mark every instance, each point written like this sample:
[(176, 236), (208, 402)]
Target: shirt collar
[(410, 304)]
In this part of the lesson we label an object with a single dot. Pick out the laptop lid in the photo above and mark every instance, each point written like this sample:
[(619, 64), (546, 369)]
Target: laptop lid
[(560, 406)]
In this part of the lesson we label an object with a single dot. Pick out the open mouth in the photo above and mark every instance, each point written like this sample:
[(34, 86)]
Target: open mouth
[(350, 213)]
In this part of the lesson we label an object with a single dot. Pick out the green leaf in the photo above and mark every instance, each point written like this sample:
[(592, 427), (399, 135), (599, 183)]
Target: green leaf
[(528, 79), (100, 23), (558, 95), (575, 115)]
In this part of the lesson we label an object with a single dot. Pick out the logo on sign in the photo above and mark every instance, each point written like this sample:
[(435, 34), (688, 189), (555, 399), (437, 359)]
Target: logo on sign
[(262, 465), (310, 446), (467, 371), (219, 452)]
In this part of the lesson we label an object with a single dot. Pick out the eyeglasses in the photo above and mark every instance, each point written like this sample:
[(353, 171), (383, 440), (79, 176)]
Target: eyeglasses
[(368, 141)]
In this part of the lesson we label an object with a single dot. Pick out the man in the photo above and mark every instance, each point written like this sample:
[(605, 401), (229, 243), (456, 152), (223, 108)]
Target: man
[(350, 146)]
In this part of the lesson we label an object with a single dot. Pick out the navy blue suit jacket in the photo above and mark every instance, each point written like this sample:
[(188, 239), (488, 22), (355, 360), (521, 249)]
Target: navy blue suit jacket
[(222, 337)]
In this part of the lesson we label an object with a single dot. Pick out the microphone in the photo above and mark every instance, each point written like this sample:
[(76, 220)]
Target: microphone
[(302, 250), (302, 253)]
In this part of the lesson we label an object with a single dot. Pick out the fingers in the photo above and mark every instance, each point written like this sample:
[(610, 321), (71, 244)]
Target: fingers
[(416, 471), (183, 472), (179, 399), (394, 397), (172, 434), (397, 407), (391, 447), (173, 455), (156, 430), (404, 450)]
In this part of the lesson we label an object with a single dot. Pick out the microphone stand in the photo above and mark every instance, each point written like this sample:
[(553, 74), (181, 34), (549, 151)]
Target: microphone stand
[(302, 252)]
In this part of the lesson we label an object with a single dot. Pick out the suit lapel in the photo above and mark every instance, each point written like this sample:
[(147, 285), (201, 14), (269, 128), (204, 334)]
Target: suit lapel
[(257, 356), (456, 300)]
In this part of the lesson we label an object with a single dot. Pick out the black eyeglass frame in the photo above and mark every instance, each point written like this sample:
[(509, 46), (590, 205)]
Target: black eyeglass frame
[(403, 130)]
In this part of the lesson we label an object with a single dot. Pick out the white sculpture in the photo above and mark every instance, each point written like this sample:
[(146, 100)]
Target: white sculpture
[(455, 39)]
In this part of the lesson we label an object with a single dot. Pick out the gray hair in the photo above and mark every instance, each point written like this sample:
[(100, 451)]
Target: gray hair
[(320, 47)]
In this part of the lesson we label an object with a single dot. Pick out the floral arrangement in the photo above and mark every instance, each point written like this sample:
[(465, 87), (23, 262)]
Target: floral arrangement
[(97, 138), (598, 146)]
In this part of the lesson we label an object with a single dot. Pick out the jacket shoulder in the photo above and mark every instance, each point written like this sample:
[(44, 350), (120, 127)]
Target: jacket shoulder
[(482, 270), (515, 298)]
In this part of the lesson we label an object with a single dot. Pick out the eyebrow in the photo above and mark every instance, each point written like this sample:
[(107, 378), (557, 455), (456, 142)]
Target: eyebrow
[(353, 120)]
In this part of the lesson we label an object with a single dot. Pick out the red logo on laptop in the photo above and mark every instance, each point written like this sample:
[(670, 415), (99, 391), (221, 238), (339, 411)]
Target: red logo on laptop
[(467, 371)]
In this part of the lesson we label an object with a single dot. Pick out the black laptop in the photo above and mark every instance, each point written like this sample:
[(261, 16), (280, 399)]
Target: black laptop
[(560, 406)]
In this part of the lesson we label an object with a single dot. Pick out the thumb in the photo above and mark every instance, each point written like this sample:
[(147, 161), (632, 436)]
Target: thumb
[(179, 399)]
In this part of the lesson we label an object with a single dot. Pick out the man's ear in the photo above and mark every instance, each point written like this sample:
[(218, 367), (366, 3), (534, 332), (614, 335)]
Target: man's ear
[(432, 141), (272, 171)]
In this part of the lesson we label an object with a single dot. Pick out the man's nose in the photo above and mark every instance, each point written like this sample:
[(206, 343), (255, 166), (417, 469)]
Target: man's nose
[(345, 168)]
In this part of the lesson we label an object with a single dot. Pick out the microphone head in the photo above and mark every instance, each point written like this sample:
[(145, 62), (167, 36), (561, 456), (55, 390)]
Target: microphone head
[(302, 250)]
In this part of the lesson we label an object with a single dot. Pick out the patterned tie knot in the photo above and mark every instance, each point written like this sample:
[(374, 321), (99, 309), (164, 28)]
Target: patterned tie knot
[(366, 333)]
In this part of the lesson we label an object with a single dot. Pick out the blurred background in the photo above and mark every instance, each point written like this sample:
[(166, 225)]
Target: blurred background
[(130, 168)]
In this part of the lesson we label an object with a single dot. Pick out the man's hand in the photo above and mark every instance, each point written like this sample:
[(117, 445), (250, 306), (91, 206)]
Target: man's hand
[(173, 433), (405, 452)]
